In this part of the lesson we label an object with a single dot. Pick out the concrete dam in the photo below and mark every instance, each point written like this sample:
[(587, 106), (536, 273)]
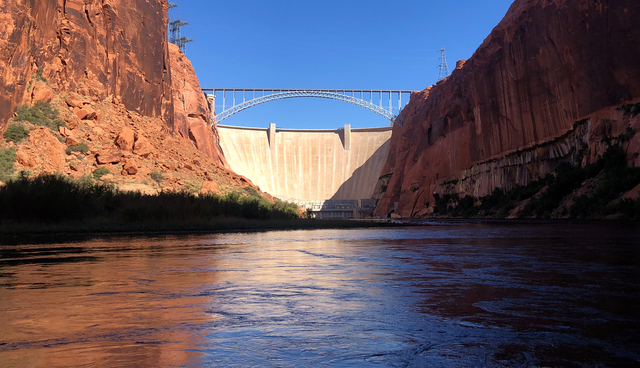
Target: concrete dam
[(309, 167)]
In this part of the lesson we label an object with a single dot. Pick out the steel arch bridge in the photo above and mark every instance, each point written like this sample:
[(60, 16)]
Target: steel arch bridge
[(241, 99)]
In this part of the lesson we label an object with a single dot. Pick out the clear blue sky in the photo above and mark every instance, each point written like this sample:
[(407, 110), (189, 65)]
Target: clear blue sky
[(329, 44)]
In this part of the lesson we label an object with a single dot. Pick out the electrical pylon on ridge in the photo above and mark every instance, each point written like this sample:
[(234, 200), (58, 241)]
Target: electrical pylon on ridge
[(175, 31), (444, 68)]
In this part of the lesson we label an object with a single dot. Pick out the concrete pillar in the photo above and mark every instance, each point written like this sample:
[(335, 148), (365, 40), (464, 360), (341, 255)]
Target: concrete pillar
[(347, 137), (272, 136), (211, 99)]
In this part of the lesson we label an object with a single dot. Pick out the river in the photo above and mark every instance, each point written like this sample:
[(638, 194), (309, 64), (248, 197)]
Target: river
[(439, 295)]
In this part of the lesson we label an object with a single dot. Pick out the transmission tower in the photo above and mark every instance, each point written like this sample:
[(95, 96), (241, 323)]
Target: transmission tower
[(175, 31), (444, 69)]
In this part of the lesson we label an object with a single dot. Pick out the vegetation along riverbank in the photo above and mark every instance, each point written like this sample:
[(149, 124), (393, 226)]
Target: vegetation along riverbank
[(50, 204)]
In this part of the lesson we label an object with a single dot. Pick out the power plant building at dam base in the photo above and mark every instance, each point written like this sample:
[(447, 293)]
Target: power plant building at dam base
[(331, 172)]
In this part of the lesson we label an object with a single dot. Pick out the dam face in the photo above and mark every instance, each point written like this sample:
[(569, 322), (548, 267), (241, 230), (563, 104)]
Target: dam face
[(308, 166)]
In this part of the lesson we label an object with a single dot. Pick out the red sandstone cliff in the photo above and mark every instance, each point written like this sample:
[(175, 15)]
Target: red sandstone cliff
[(98, 48), (101, 48), (192, 113), (105, 65), (506, 116)]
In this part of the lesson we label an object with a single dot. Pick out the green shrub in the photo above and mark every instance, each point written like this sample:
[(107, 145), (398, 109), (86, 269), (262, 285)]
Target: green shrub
[(444, 205), (252, 192), (81, 148), (50, 198), (193, 188), (616, 179), (27, 173), (466, 207), (100, 172), (567, 179), (39, 75), (157, 176), (627, 135), (285, 210), (85, 181), (632, 110), (16, 132), (7, 159), (41, 113)]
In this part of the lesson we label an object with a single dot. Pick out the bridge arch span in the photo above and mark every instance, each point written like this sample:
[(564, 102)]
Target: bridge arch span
[(339, 95)]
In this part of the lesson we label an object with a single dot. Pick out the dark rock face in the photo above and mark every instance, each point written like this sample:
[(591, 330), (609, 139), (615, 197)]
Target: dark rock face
[(97, 48), (547, 65)]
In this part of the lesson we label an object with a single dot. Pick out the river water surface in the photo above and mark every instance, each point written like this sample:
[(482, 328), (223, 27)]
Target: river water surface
[(444, 295)]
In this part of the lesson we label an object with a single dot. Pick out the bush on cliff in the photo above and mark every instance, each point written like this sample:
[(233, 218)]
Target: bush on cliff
[(100, 172), (39, 75), (15, 133), (566, 180), (452, 205), (632, 110), (80, 148), (41, 113), (53, 199), (157, 176), (7, 159), (617, 179)]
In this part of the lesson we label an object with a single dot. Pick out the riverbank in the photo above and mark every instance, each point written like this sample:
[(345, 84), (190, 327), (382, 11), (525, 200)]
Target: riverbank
[(53, 205)]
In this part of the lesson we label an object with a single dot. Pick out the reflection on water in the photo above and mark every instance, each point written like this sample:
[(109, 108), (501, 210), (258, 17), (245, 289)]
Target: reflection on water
[(437, 296)]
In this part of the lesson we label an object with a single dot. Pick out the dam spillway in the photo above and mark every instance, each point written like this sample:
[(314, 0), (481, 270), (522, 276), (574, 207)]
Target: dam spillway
[(308, 165)]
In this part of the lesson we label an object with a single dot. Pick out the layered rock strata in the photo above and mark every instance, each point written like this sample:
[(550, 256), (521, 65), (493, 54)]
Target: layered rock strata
[(507, 115)]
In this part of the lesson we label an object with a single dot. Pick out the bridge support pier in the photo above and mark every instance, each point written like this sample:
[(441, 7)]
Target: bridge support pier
[(211, 100)]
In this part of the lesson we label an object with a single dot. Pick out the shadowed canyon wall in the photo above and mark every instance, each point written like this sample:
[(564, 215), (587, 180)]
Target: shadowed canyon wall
[(307, 164), (540, 88)]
